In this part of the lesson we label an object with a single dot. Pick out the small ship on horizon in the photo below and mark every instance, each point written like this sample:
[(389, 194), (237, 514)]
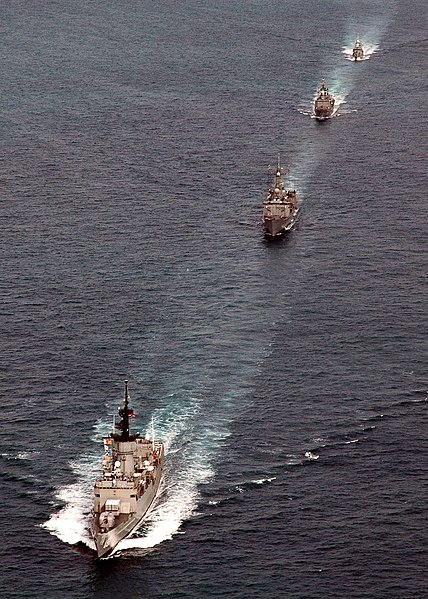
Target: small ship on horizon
[(358, 52), (280, 208), (132, 471), (324, 103)]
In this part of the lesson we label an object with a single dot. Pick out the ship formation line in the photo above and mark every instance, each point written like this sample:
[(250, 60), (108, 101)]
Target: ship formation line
[(280, 208), (132, 466)]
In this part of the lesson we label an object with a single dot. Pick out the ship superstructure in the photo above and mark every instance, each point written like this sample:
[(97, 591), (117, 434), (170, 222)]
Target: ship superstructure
[(132, 471), (357, 52), (324, 103), (280, 207)]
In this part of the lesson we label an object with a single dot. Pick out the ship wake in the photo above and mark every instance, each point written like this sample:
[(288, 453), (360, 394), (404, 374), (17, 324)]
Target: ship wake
[(370, 32), (71, 523)]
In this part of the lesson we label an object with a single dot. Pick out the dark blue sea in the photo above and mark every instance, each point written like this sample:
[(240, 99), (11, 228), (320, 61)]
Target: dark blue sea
[(288, 380)]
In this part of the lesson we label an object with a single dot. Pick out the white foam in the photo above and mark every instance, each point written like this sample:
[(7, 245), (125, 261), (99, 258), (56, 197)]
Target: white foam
[(262, 481), (21, 455), (311, 456), (71, 523)]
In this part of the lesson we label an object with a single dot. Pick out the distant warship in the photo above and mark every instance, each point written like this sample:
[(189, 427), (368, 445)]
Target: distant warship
[(357, 52), (280, 207), (324, 104), (132, 470)]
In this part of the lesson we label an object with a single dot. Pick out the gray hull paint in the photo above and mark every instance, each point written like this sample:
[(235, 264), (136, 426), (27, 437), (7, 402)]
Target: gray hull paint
[(324, 104), (277, 227), (323, 113), (107, 542)]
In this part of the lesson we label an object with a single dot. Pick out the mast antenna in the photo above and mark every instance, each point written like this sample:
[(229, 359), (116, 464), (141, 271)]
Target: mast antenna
[(124, 413)]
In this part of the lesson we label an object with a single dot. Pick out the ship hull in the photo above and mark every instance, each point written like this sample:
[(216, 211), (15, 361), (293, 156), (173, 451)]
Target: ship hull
[(106, 542), (322, 114), (274, 228)]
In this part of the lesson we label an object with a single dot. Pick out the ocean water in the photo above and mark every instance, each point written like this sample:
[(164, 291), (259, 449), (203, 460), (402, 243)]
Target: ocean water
[(288, 380)]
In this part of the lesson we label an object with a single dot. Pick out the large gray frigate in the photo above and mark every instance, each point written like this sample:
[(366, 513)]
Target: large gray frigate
[(358, 52), (279, 208), (132, 471), (324, 103)]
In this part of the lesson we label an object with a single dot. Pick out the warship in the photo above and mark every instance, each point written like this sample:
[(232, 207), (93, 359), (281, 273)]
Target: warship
[(357, 52), (132, 471), (324, 104), (279, 208)]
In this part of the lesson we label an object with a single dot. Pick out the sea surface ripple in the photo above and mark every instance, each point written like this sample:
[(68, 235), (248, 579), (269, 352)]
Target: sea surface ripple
[(288, 380)]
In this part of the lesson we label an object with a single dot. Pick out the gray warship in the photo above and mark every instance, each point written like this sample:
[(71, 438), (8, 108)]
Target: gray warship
[(324, 104), (279, 208), (132, 471), (357, 52)]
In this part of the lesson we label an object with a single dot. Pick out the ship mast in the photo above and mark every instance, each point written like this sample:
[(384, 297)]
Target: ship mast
[(279, 172), (125, 412)]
